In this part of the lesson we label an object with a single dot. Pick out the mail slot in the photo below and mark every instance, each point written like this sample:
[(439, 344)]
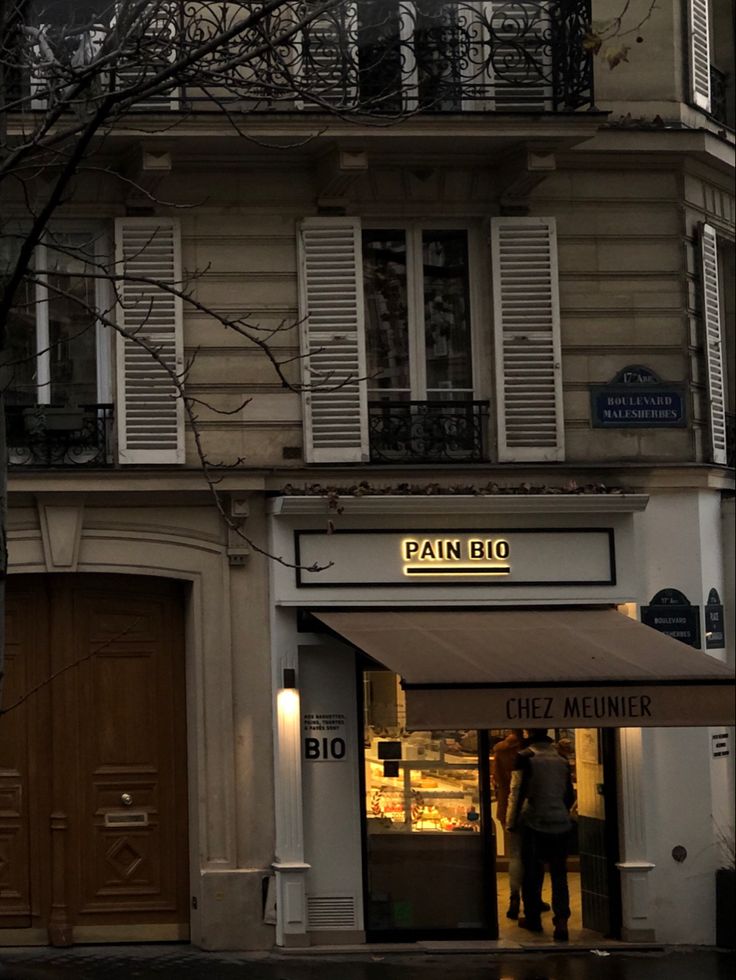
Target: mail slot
[(126, 818)]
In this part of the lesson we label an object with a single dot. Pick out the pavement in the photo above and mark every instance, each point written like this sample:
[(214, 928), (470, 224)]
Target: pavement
[(183, 962)]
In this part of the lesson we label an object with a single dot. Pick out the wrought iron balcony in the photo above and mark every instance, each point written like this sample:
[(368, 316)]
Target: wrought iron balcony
[(394, 56), (427, 431), (51, 436), (381, 57)]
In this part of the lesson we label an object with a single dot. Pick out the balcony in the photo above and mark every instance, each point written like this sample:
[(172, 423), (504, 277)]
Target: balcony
[(427, 431), (376, 57), (464, 55), (51, 436)]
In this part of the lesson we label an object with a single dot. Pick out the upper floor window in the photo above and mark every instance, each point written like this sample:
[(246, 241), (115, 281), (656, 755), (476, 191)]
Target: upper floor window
[(417, 314), (713, 58), (387, 338), (59, 357), (73, 302), (57, 348)]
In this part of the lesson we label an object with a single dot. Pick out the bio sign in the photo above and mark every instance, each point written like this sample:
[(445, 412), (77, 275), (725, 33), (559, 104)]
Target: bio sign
[(324, 737), (636, 398)]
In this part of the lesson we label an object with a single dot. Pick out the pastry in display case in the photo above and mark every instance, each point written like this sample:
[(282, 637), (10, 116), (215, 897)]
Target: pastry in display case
[(426, 787)]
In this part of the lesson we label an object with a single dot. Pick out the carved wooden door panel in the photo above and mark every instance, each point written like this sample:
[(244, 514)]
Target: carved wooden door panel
[(24, 758), (113, 815)]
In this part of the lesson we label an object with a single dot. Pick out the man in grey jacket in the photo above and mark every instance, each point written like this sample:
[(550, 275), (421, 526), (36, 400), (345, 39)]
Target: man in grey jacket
[(539, 808)]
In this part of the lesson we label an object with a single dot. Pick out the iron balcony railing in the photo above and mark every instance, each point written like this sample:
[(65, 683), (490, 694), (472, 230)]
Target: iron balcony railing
[(382, 57), (427, 431), (391, 56), (52, 436)]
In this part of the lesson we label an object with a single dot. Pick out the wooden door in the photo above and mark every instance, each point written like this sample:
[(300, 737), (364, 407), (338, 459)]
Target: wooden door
[(98, 755)]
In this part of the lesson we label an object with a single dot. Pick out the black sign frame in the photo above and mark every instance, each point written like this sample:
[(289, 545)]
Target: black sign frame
[(715, 622), (671, 612)]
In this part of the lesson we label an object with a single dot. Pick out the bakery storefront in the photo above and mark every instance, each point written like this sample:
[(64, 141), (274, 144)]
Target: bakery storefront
[(409, 635)]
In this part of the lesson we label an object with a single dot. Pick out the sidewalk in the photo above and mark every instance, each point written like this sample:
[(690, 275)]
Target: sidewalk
[(182, 962)]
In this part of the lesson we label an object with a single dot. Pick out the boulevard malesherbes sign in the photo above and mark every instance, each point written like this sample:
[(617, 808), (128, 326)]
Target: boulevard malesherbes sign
[(637, 398), (515, 556)]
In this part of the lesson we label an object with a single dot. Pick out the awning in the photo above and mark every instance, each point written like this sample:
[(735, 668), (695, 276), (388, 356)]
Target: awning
[(552, 668)]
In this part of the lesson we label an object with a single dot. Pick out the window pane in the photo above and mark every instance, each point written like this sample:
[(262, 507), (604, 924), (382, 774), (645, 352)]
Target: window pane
[(386, 316), (447, 313), (73, 13), (422, 809), (72, 323), (21, 326), (21, 342)]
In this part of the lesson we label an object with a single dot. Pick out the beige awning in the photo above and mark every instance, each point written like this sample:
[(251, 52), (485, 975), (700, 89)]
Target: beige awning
[(552, 668)]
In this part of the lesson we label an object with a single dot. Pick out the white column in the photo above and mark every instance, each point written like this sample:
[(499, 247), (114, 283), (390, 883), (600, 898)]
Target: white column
[(634, 868), (290, 868)]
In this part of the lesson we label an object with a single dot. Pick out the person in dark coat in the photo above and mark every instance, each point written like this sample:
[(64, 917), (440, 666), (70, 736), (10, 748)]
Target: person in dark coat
[(504, 761), (539, 806)]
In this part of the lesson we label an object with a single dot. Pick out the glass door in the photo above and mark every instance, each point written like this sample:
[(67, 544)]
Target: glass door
[(429, 842)]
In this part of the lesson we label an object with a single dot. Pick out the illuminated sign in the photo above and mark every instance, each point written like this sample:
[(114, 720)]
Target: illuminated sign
[(479, 558), (455, 556)]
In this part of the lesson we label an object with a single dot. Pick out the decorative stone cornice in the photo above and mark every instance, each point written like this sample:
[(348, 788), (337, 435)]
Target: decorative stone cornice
[(599, 503)]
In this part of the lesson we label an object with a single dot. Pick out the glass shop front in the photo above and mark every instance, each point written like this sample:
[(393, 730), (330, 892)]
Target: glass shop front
[(436, 854)]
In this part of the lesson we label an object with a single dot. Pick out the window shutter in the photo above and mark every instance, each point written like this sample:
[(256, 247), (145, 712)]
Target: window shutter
[(527, 339), (328, 57), (159, 50), (42, 83), (713, 343), (332, 341), (149, 412), (700, 54), (521, 55)]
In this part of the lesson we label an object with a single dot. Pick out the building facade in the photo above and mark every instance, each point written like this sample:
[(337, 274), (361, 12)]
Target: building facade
[(489, 430)]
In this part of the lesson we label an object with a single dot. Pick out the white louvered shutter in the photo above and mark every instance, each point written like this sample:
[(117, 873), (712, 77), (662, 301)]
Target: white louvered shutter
[(332, 340), (520, 61), (42, 83), (140, 67), (700, 54), (149, 412), (711, 300), (328, 58), (527, 339)]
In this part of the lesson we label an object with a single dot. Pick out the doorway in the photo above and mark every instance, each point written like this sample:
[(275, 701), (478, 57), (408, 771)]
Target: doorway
[(435, 854), (93, 831), (595, 900)]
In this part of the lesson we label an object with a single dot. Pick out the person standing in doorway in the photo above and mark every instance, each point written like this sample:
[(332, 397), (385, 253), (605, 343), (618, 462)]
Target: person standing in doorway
[(539, 806), (504, 761)]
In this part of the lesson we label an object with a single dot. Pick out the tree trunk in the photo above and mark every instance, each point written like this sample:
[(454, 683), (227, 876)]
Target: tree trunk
[(3, 533)]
